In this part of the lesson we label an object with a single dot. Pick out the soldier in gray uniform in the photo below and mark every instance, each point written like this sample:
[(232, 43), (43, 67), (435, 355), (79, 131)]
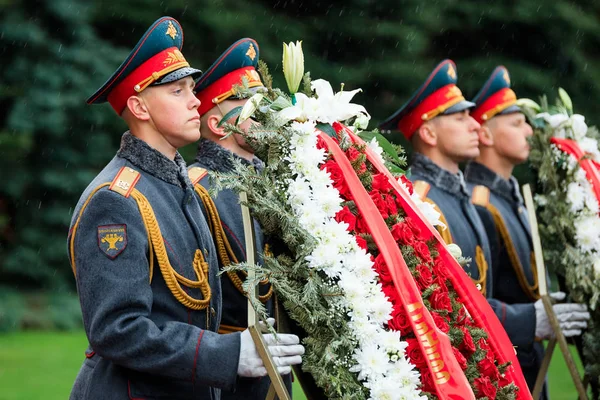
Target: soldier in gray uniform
[(218, 152), (142, 254), (443, 133), (495, 193)]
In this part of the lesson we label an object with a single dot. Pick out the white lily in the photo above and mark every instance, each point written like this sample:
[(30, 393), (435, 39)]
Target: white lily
[(336, 107), (305, 109), (293, 65), (566, 100), (250, 107)]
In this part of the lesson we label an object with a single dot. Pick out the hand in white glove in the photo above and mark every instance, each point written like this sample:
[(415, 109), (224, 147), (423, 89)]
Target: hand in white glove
[(572, 318), (285, 351)]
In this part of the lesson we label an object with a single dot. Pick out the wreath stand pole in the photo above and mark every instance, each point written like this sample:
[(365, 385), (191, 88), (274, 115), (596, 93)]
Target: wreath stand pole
[(546, 300), (277, 385)]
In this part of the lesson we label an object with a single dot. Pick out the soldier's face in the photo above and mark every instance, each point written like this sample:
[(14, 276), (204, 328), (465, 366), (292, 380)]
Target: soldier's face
[(457, 136), (231, 104), (510, 133), (173, 110)]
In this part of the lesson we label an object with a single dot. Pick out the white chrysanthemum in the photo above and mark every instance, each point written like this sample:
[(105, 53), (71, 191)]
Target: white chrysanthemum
[(575, 196), (376, 148), (372, 360), (382, 310), (578, 126), (307, 128), (596, 266), (587, 233), (590, 146)]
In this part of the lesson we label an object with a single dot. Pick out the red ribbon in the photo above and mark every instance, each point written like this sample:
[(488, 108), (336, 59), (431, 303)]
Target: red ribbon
[(449, 380), (475, 303), (587, 164)]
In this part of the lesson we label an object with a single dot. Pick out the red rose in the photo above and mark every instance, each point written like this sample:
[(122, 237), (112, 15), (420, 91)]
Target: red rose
[(380, 203), (402, 233), (483, 345), (382, 270), (361, 169), (504, 381), (440, 322), (422, 251), (488, 368), (399, 321), (413, 226), (361, 225), (440, 269), (441, 282), (417, 358), (362, 243), (462, 361), (441, 301), (352, 154), (391, 293), (462, 317), (408, 183), (485, 388), (381, 183), (467, 344), (337, 177), (391, 204), (427, 381), (424, 276), (345, 215), (321, 143)]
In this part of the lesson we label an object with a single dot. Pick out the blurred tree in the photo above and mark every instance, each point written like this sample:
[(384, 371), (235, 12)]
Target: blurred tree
[(55, 53)]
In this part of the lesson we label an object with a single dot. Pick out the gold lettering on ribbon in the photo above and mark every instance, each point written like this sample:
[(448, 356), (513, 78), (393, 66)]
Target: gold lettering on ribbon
[(425, 334)]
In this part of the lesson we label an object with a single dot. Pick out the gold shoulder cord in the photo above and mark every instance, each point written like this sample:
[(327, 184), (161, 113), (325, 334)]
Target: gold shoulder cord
[(156, 245), (481, 198), (226, 254)]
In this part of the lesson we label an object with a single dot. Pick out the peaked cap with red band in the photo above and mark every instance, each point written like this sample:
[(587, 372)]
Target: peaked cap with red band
[(439, 95), (217, 83), (156, 59), (495, 97)]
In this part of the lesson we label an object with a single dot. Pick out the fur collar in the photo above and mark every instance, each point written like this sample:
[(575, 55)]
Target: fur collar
[(140, 154), (217, 158), (440, 178), (479, 174)]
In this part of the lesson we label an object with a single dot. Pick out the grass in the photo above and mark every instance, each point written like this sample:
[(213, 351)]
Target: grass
[(35, 365)]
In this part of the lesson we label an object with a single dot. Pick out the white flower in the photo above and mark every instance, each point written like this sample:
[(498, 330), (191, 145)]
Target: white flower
[(554, 120), (587, 233), (590, 146), (336, 107), (578, 126), (575, 196), (376, 148), (293, 65), (596, 266), (454, 250), (362, 121), (250, 107), (305, 109)]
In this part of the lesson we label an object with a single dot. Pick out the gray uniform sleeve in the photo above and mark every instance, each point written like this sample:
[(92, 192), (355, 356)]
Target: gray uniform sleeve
[(117, 299)]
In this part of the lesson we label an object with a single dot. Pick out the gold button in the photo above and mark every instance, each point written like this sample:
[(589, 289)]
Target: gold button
[(136, 88)]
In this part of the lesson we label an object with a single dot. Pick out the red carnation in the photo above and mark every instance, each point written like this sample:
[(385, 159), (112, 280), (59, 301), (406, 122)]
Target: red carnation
[(427, 381), (400, 321), (440, 322), (345, 215), (488, 368), (381, 183), (422, 251), (321, 144), (424, 276), (441, 301), (362, 243), (467, 344), (417, 358), (382, 269), (485, 388), (391, 204), (337, 177), (462, 361), (380, 203), (408, 184), (352, 154), (361, 225), (402, 233)]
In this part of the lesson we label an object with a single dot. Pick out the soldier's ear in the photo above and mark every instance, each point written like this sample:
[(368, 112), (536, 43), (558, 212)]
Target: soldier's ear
[(486, 138), (138, 108), (427, 134), (212, 122)]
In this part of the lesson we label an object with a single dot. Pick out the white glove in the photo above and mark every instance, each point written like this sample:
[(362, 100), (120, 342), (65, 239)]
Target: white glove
[(285, 351), (572, 317)]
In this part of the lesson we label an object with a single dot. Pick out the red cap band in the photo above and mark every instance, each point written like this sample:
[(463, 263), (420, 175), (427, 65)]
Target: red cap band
[(494, 104), (222, 88)]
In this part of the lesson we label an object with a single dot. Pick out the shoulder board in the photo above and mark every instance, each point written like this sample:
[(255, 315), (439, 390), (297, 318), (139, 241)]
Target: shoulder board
[(196, 174), (421, 188), (480, 196), (125, 181)]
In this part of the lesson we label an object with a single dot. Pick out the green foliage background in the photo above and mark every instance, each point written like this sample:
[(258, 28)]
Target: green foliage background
[(55, 53)]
